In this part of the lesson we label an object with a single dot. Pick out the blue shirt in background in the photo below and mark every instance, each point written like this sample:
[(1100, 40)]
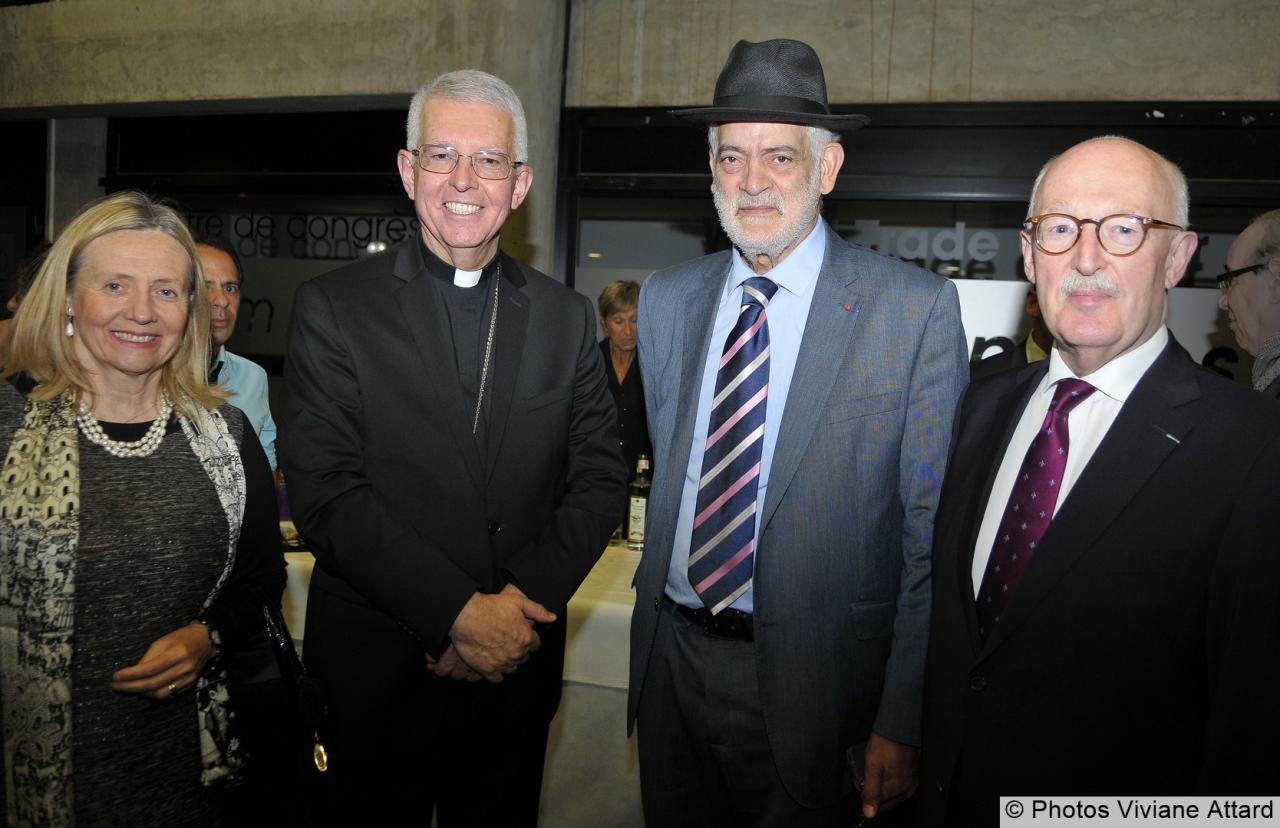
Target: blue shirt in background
[(247, 382)]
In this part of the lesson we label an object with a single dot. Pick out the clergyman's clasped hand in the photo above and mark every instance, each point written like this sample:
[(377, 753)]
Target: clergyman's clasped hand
[(492, 636)]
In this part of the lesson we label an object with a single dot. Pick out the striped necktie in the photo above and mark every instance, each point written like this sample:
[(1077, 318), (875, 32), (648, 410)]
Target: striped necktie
[(722, 549)]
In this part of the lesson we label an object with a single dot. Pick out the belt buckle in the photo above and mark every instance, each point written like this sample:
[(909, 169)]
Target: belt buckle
[(731, 627)]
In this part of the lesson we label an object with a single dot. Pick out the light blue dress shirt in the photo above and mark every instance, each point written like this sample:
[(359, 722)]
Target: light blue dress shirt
[(247, 382), (797, 277)]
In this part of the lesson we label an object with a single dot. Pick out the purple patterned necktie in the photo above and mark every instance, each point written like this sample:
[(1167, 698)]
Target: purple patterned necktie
[(722, 548), (1030, 506)]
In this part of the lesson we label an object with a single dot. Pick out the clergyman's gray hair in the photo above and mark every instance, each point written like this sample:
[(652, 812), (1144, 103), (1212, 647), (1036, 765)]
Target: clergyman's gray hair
[(818, 137), (469, 86), (1173, 175)]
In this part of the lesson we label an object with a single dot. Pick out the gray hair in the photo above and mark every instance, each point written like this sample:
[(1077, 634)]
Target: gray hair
[(1173, 176), (1268, 246), (469, 86), (818, 137)]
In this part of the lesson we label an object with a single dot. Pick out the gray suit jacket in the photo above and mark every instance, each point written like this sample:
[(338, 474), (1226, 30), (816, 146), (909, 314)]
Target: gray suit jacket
[(842, 568)]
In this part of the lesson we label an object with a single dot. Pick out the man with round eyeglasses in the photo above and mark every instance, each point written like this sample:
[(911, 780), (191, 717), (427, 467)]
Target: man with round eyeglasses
[(453, 462), (1106, 602), (1120, 234), (1251, 298)]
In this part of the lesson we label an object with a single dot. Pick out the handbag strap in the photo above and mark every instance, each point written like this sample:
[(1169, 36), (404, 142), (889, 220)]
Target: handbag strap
[(307, 691), (282, 642)]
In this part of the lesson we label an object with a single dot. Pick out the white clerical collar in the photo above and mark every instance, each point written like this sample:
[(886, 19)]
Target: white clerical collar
[(1118, 377), (467, 278)]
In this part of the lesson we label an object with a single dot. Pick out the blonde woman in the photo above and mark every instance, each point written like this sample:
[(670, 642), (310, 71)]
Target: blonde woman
[(137, 532)]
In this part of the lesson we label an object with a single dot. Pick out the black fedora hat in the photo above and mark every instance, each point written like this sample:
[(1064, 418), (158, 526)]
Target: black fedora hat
[(777, 80)]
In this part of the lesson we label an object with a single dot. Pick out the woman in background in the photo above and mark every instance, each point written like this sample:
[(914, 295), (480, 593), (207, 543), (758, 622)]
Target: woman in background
[(617, 305), (137, 533)]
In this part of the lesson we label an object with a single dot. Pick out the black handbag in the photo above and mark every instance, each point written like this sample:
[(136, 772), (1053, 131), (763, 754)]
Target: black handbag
[(307, 691), (280, 715)]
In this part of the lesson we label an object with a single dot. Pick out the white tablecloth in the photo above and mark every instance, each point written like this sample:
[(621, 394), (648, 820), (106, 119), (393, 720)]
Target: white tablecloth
[(600, 621), (299, 566)]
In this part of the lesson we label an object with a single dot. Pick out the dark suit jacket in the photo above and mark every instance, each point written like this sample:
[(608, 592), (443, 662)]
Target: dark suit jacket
[(1016, 357), (386, 484), (842, 569), (1140, 654)]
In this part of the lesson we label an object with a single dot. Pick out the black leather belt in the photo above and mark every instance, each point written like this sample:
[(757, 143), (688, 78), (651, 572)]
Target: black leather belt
[(732, 624)]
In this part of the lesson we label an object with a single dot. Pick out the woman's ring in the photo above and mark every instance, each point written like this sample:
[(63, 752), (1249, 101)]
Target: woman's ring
[(172, 688)]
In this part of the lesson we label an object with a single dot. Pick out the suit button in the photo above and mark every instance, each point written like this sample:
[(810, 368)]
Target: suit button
[(977, 684), (495, 528)]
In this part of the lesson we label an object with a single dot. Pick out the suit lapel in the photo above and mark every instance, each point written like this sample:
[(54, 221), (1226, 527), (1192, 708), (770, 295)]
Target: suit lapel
[(692, 335), (509, 347), (425, 318), (828, 334), (974, 471), (1150, 426)]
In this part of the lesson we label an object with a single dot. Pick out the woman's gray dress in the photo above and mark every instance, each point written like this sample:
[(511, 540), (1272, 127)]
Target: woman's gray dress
[(153, 541)]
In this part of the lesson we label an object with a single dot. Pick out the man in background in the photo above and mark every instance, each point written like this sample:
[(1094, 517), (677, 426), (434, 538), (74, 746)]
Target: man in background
[(1033, 348), (1251, 298), (246, 380)]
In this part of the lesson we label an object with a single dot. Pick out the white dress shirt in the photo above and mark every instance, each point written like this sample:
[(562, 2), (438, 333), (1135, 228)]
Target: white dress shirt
[(1087, 424)]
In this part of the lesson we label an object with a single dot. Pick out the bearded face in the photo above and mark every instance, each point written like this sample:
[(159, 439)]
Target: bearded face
[(767, 185)]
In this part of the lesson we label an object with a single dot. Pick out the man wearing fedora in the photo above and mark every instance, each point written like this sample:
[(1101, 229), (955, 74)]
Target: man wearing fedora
[(800, 394)]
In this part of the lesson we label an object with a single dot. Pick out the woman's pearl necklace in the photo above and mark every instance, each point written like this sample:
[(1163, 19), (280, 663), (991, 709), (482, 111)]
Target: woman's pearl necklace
[(140, 448)]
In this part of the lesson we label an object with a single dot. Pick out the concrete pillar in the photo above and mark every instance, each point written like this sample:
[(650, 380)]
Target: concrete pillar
[(77, 163)]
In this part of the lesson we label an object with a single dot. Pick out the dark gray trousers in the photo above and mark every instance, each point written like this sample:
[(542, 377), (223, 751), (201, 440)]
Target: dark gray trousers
[(704, 753)]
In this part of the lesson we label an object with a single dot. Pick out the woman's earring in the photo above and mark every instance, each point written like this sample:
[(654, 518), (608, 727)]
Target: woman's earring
[(71, 329)]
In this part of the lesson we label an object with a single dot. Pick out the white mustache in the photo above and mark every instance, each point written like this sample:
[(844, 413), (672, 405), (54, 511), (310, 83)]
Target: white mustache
[(1099, 283), (765, 199)]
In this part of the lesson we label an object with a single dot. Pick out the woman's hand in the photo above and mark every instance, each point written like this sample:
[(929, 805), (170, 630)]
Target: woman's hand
[(169, 666)]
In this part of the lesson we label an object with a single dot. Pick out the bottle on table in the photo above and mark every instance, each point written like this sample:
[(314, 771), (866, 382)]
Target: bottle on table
[(638, 500)]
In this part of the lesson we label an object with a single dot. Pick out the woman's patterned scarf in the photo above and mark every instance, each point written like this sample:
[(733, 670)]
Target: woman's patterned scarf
[(39, 533)]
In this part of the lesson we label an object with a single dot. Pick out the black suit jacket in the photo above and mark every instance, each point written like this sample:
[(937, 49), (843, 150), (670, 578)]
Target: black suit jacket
[(387, 486), (1015, 357), (1141, 652)]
